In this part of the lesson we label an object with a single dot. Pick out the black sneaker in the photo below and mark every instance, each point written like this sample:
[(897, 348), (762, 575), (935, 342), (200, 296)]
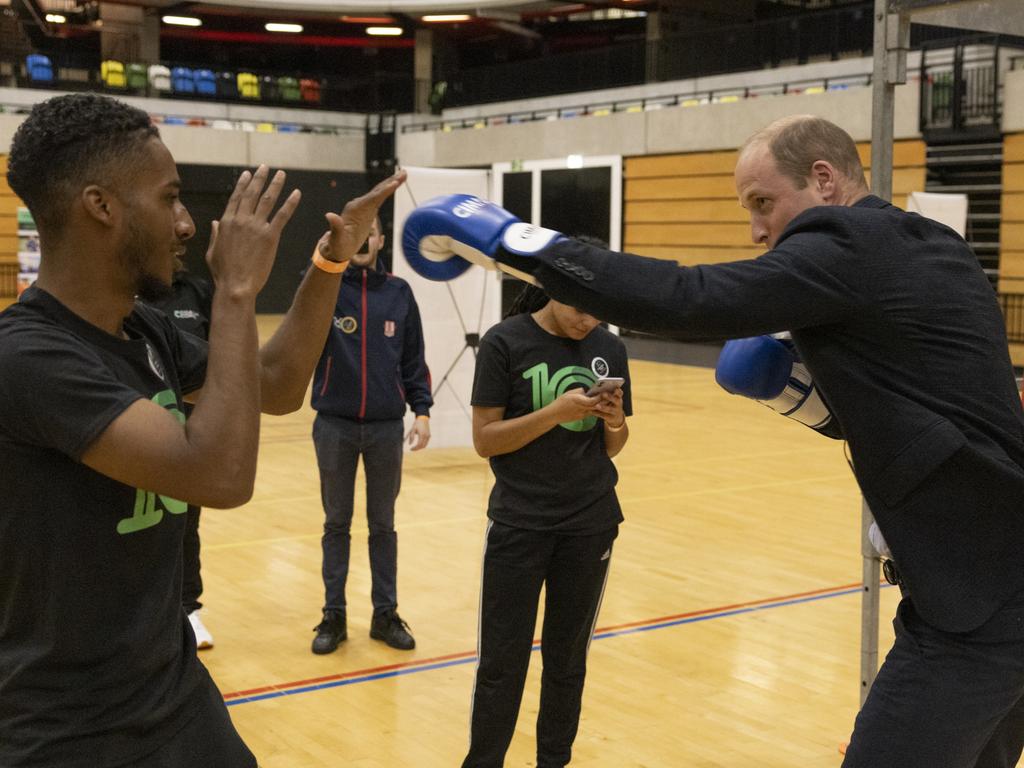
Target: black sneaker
[(330, 632), (389, 627)]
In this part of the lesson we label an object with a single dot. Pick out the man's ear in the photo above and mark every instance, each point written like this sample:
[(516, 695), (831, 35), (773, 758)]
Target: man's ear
[(99, 204), (382, 239), (824, 178)]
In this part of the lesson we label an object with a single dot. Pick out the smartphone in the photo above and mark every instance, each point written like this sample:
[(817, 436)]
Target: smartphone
[(605, 384)]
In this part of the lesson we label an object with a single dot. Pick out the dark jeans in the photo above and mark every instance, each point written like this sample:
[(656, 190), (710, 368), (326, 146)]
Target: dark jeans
[(339, 444), (517, 562), (946, 700), (191, 579)]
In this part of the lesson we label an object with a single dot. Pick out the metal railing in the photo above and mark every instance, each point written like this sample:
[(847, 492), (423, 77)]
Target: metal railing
[(646, 104)]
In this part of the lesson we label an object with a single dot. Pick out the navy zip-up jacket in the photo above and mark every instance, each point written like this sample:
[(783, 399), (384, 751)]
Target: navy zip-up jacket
[(373, 363)]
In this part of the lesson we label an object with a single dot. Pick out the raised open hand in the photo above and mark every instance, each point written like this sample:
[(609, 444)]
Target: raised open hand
[(244, 242), (351, 227)]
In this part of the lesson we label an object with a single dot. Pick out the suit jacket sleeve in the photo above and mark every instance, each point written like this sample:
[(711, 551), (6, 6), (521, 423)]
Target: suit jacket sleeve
[(811, 278)]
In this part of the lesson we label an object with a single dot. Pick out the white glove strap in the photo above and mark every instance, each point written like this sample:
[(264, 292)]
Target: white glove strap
[(800, 400), (526, 239)]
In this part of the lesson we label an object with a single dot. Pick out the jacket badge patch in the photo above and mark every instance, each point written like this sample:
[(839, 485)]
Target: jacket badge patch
[(389, 328), (346, 324)]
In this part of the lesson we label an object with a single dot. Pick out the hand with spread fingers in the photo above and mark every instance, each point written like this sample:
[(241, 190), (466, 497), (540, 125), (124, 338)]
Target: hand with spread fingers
[(243, 244), (351, 227)]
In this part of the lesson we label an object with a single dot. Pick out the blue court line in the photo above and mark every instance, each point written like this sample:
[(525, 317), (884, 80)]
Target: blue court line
[(598, 636)]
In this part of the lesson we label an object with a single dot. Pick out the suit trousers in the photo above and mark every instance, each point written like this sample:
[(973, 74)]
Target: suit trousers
[(573, 571), (339, 443), (946, 700)]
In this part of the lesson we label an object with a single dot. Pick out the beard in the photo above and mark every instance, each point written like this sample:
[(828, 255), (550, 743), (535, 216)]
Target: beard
[(148, 287)]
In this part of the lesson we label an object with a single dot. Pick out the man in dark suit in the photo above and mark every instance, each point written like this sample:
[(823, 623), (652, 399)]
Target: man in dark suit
[(903, 335)]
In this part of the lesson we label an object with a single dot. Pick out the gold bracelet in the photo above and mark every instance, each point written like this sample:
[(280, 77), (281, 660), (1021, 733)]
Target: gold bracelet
[(610, 428), (333, 267)]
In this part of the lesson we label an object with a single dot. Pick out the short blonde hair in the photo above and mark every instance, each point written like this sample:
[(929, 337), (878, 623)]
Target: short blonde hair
[(798, 141)]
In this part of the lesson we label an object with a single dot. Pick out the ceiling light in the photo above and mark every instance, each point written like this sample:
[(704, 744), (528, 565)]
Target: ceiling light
[(388, 31), (182, 21), (446, 17), (276, 26), (55, 18)]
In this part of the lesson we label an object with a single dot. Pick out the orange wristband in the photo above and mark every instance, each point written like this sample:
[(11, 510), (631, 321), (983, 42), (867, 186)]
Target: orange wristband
[(334, 267)]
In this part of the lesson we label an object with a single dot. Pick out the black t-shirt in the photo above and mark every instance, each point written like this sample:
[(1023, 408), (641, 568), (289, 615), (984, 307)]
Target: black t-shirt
[(189, 308), (562, 481), (96, 666)]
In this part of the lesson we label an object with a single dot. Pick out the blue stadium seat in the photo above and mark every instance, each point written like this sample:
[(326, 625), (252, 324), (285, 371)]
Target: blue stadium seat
[(38, 68), (206, 82), (182, 80)]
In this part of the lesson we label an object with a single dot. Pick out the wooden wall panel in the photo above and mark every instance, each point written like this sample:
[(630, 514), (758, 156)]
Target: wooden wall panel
[(1011, 228), (9, 203), (684, 207)]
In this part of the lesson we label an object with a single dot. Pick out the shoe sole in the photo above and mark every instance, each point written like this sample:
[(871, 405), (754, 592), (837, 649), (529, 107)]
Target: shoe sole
[(392, 645)]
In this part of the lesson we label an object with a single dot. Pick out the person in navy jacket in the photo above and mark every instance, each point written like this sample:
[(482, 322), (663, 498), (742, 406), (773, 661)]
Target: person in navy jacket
[(372, 366)]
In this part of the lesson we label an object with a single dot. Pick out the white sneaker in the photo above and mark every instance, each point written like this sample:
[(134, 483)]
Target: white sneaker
[(204, 639)]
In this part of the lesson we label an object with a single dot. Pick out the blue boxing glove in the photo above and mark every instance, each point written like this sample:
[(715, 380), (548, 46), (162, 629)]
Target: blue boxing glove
[(769, 370), (442, 237)]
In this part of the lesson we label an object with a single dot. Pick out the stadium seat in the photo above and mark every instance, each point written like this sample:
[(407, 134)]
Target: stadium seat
[(159, 77), (38, 68), (112, 74), (310, 90), (222, 125), (289, 89), (248, 85), (227, 86), (268, 88), (182, 80), (206, 82), (288, 128), (137, 78), (265, 128)]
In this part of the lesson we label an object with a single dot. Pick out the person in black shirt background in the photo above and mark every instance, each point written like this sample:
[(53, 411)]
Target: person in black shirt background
[(553, 514), (189, 308)]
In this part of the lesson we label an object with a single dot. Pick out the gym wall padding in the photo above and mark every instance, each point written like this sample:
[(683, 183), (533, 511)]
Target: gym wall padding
[(206, 189)]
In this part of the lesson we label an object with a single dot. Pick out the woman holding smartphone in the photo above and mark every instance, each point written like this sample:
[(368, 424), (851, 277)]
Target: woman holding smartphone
[(553, 514)]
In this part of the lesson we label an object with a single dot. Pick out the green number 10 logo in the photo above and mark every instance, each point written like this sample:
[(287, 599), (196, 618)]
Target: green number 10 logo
[(146, 513)]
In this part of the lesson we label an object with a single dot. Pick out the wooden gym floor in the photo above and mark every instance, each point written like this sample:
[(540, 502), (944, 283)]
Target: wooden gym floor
[(729, 634)]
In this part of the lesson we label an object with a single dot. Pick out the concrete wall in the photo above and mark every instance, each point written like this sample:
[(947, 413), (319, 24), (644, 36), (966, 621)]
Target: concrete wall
[(672, 129), (341, 151), (1013, 102)]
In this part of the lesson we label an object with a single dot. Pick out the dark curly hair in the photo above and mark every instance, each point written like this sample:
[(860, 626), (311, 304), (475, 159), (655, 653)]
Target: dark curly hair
[(533, 298), (67, 143)]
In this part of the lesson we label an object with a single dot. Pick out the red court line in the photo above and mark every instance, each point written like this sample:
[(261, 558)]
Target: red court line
[(470, 654)]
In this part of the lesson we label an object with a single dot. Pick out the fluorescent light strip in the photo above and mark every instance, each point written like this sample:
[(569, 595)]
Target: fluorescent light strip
[(182, 21), (446, 17), (386, 31), (276, 26), (55, 18)]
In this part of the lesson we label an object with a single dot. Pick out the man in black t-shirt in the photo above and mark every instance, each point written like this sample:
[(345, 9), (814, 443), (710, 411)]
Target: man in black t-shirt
[(188, 308), (97, 664)]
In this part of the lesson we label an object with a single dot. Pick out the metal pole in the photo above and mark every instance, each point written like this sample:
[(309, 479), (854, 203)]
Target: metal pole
[(892, 38), (868, 605)]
